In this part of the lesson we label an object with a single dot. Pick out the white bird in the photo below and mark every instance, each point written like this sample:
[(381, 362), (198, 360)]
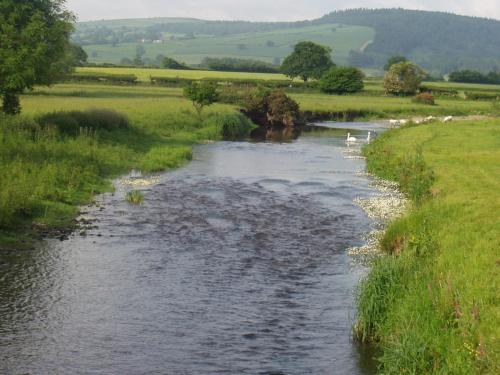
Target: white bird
[(448, 119), (351, 139), (369, 138)]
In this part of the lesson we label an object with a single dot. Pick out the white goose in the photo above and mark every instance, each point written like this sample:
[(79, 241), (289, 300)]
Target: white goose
[(351, 139)]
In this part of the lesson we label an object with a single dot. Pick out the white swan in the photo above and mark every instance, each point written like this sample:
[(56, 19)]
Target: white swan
[(369, 138), (351, 139)]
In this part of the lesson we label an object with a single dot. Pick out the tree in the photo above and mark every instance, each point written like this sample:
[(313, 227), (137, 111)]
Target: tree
[(308, 60), (140, 50), (137, 61), (403, 78), (34, 44), (394, 60), (78, 55), (201, 94), (170, 63), (342, 80)]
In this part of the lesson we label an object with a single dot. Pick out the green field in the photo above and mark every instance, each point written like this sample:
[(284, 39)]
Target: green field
[(144, 74), (432, 302), (192, 51)]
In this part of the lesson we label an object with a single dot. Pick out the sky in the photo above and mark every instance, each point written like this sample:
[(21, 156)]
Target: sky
[(263, 10)]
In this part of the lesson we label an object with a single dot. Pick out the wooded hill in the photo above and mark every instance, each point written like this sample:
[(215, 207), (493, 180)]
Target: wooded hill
[(439, 42)]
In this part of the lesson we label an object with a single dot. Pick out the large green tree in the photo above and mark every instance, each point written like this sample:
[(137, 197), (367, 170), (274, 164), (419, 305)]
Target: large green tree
[(34, 46), (308, 60)]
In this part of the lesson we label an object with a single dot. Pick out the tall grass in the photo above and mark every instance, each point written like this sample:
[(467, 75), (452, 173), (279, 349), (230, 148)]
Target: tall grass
[(431, 303), (232, 126)]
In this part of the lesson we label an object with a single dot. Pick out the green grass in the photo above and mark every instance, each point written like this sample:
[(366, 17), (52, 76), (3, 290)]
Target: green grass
[(47, 173), (193, 51), (385, 106), (432, 302), (144, 74), (135, 197)]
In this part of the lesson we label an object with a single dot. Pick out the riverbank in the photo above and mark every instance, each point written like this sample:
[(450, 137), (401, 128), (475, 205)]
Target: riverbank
[(49, 171), (431, 302)]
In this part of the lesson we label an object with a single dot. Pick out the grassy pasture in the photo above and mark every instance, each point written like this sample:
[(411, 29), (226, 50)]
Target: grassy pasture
[(144, 74), (192, 51), (163, 100), (432, 301)]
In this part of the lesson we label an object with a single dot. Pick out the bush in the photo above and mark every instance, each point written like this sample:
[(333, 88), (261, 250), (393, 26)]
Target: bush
[(281, 109), (415, 177), (231, 126), (103, 77), (71, 122), (266, 107), (424, 98), (481, 95), (403, 78), (342, 80), (170, 63), (228, 64)]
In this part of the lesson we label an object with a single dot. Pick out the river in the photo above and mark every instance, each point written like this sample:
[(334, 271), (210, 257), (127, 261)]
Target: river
[(235, 264)]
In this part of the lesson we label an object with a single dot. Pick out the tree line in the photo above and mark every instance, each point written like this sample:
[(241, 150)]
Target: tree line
[(471, 76)]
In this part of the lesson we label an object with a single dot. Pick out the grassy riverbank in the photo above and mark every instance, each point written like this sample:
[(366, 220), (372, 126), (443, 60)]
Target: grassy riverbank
[(48, 173), (432, 302)]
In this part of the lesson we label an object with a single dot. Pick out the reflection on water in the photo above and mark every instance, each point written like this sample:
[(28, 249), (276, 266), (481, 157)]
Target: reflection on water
[(235, 264)]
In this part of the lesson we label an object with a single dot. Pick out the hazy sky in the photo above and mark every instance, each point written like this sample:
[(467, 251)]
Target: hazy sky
[(263, 10)]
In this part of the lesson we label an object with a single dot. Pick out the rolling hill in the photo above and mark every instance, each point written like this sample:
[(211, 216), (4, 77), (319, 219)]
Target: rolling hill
[(439, 42)]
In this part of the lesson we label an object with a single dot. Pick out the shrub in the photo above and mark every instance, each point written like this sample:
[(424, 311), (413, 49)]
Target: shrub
[(424, 98), (231, 126), (170, 63), (103, 77), (230, 64), (271, 107), (342, 80), (481, 95), (71, 122), (281, 109), (403, 78), (415, 177)]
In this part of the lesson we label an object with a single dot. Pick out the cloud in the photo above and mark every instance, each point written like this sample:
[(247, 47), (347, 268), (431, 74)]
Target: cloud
[(263, 10)]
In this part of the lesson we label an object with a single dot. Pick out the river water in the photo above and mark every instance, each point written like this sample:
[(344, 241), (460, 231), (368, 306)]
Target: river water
[(235, 264)]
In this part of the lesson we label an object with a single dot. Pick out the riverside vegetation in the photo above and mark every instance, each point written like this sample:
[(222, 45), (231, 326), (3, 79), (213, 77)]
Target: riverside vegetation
[(431, 302), (70, 156)]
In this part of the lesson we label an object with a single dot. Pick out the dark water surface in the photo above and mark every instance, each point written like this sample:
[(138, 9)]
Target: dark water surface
[(235, 264)]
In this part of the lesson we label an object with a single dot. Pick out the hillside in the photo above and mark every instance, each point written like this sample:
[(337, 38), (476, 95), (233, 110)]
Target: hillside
[(440, 42)]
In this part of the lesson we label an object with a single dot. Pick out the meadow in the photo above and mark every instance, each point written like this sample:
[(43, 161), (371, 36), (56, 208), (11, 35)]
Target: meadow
[(250, 45), (431, 303)]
